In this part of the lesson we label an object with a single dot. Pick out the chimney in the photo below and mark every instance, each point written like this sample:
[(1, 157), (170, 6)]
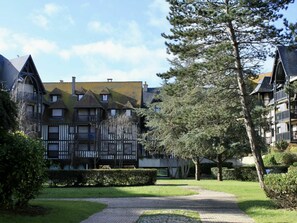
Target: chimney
[(145, 86), (73, 85)]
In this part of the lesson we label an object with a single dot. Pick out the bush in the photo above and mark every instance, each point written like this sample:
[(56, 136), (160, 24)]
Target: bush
[(227, 174), (284, 158), (281, 145), (292, 169), (282, 189), (102, 177), (22, 169), (269, 160), (247, 173)]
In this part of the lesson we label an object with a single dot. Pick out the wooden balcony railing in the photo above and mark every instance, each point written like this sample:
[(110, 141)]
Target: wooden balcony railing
[(86, 118), (86, 154), (280, 95)]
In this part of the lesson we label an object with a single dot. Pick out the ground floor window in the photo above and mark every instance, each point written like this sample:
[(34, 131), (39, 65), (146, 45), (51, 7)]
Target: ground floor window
[(53, 151)]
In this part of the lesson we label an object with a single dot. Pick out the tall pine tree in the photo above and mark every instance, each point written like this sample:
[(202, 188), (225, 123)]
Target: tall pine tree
[(215, 40)]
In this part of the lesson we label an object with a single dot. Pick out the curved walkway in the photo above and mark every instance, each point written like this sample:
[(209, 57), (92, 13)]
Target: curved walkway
[(213, 207)]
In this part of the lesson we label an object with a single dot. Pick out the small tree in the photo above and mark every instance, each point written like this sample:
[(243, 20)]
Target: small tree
[(21, 169), (8, 112)]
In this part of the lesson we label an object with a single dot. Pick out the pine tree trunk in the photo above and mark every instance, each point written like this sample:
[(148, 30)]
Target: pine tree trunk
[(246, 111), (197, 168), (220, 167)]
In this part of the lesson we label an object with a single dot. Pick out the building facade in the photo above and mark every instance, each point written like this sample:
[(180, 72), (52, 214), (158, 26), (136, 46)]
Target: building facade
[(20, 77), (92, 124), (278, 92)]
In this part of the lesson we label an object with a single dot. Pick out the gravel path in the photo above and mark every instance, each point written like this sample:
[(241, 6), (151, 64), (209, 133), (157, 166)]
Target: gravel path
[(213, 207)]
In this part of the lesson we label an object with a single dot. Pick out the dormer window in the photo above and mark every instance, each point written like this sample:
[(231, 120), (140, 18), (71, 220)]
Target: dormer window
[(79, 97), (128, 113), (113, 112), (105, 97), (55, 98)]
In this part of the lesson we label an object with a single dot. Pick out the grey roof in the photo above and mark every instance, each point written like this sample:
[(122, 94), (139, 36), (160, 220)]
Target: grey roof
[(263, 86), (149, 95), (288, 57), (10, 70)]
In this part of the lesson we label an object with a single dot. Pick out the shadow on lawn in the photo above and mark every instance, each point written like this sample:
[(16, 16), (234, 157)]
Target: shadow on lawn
[(246, 205)]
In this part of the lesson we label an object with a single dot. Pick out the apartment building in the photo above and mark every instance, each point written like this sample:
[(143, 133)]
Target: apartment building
[(277, 92)]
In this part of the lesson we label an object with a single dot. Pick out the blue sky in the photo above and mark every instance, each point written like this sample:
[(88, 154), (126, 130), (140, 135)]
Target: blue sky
[(92, 40)]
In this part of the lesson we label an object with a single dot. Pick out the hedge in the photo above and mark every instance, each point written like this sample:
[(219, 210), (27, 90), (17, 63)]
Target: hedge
[(102, 177), (245, 173), (282, 188), (280, 158)]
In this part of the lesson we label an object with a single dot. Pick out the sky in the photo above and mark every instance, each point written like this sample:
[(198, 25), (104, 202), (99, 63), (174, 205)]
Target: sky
[(91, 39)]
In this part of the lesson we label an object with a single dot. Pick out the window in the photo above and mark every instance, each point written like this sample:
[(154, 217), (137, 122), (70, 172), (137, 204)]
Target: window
[(57, 112), (272, 132), (53, 151), (112, 149), (128, 129), (111, 129), (104, 97), (54, 98), (79, 97), (83, 146), (71, 129), (53, 133), (128, 113), (127, 148), (113, 112)]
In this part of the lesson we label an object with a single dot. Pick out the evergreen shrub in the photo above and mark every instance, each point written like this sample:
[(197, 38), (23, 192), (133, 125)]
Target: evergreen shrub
[(227, 174), (22, 169), (282, 188), (102, 177)]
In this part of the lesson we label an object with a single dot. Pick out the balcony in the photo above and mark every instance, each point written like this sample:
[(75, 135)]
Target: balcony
[(286, 136), (86, 136), (86, 154), (280, 95), (284, 115), (86, 118)]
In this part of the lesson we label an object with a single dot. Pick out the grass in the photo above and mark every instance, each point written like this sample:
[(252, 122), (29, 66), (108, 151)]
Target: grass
[(169, 215), (251, 199), (99, 192), (56, 211)]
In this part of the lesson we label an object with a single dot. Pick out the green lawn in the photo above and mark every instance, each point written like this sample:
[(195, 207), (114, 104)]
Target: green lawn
[(97, 192), (251, 199), (57, 212)]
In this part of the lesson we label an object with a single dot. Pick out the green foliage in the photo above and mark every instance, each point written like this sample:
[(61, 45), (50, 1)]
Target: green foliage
[(269, 160), (8, 112), (283, 158), (292, 169), (282, 189), (21, 169), (245, 173), (281, 145), (228, 174), (102, 177)]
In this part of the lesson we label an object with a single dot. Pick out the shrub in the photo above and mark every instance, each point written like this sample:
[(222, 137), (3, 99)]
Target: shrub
[(282, 189), (102, 177), (292, 169), (22, 169), (285, 158), (269, 160), (247, 173), (227, 174), (281, 145)]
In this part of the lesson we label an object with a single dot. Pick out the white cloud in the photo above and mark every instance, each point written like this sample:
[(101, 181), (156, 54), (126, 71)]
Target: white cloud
[(96, 26), (5, 40), (45, 17), (157, 12), (40, 20), (34, 46), (51, 9)]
